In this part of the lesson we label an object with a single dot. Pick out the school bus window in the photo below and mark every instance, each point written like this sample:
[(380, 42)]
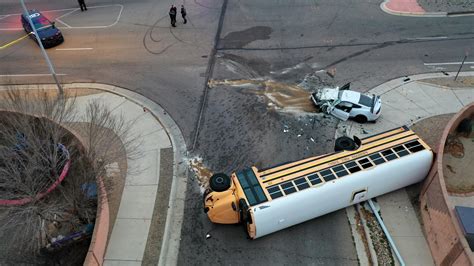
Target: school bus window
[(275, 192), (327, 175), (353, 167), (414, 146), (314, 179), (376, 158), (400, 150), (389, 155), (365, 163), (301, 183), (273, 189), (288, 188), (340, 171)]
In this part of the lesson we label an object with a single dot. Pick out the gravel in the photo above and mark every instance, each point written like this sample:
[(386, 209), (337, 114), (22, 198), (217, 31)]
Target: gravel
[(447, 5)]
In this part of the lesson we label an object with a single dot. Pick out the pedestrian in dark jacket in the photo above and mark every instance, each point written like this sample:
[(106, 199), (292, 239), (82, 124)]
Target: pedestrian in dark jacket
[(82, 4), (183, 13), (173, 11)]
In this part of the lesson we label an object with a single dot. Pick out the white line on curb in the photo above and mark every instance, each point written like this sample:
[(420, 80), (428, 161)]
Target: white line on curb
[(30, 75), (428, 38), (448, 63), (73, 49)]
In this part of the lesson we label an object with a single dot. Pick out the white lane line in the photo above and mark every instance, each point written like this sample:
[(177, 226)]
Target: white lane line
[(71, 11), (448, 63), (98, 27), (428, 38), (44, 11), (73, 49), (30, 75), (65, 14), (62, 22)]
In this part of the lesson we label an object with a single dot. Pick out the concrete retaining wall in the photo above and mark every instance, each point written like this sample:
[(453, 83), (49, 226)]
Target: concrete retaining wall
[(445, 238)]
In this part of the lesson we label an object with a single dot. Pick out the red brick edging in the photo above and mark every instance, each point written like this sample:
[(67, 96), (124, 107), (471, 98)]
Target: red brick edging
[(444, 235), (97, 248)]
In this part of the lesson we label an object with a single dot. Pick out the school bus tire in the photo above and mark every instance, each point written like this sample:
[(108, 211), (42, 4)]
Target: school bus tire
[(219, 182), (344, 144)]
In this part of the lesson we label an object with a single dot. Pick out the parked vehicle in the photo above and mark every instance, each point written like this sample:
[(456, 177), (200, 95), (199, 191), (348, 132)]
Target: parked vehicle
[(48, 33), (268, 200), (344, 103)]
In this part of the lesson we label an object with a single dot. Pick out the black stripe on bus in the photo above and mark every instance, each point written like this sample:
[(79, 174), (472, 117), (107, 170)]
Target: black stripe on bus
[(326, 161)]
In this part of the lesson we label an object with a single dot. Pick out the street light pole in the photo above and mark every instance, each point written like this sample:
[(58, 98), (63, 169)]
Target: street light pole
[(50, 65)]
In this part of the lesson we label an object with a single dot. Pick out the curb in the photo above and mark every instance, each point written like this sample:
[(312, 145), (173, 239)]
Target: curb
[(174, 218), (387, 10), (460, 13)]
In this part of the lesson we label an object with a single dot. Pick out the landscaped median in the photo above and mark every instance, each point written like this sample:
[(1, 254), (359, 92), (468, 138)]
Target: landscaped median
[(54, 176), (442, 188)]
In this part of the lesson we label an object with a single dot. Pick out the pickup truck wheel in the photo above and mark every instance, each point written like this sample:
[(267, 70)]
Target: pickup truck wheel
[(219, 182), (344, 144), (360, 119)]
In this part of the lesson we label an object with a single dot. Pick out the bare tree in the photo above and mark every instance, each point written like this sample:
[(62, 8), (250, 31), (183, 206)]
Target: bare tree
[(40, 136)]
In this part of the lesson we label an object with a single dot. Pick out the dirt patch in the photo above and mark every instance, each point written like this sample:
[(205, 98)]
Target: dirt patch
[(431, 129), (379, 240), (282, 97), (458, 170), (361, 232), (461, 82), (202, 173)]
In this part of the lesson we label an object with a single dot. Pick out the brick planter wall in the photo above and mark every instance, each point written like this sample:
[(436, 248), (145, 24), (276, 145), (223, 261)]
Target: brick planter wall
[(445, 238)]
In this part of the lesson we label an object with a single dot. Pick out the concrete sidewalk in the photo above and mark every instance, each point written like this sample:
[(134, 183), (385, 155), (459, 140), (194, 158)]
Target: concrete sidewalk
[(405, 101), (133, 231)]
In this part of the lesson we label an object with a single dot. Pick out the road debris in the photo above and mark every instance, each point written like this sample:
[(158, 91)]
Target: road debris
[(202, 173)]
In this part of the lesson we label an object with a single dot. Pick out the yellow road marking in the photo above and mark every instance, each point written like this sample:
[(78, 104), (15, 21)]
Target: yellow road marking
[(13, 42)]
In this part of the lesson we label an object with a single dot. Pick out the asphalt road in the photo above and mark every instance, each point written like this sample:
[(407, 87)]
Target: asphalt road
[(131, 44)]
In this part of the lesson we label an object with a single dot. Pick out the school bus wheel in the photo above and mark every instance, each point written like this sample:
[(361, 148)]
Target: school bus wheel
[(219, 182)]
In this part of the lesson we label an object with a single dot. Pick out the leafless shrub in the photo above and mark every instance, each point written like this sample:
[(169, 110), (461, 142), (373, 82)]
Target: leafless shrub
[(34, 125)]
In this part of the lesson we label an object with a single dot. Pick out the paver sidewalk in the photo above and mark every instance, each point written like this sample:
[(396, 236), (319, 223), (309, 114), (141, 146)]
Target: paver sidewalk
[(404, 102)]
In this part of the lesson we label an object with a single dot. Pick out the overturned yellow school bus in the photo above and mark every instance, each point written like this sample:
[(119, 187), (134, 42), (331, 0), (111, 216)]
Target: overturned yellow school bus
[(268, 200)]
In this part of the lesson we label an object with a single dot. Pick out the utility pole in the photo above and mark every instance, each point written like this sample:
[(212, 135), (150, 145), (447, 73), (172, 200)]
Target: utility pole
[(51, 68), (462, 64)]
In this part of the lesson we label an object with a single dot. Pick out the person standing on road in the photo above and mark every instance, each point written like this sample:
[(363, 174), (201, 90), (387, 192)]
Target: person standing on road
[(183, 13), (173, 11), (82, 4)]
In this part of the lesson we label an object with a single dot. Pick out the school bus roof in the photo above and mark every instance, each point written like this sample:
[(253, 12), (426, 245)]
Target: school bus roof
[(369, 145)]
